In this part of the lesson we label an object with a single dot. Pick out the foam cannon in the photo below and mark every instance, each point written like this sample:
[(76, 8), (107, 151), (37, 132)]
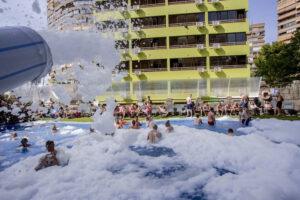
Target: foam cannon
[(24, 57)]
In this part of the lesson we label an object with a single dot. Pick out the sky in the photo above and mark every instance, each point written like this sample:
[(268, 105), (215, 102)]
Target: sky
[(33, 13), (264, 11)]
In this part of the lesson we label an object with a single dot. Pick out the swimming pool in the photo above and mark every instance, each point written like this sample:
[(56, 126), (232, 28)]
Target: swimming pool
[(190, 163), (42, 132)]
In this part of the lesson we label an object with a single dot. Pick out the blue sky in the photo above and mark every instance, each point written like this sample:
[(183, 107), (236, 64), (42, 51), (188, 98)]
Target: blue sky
[(18, 12), (264, 11)]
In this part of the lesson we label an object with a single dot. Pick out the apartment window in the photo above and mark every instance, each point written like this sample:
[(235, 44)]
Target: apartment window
[(145, 3), (185, 19), (150, 65), (229, 38), (186, 41), (187, 63), (122, 67), (149, 22), (112, 25), (110, 4), (287, 25), (122, 44), (180, 1), (149, 43), (228, 61), (227, 16)]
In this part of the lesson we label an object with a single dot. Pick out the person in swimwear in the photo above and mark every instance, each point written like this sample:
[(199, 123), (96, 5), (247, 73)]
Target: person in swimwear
[(211, 117), (49, 159)]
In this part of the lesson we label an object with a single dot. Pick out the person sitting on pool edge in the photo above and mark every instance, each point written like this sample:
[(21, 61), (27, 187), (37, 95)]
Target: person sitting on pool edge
[(230, 132), (153, 134), (197, 120), (211, 117), (169, 127), (24, 143), (49, 159)]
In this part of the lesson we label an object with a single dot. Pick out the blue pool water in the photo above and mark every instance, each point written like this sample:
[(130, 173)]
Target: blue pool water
[(10, 154)]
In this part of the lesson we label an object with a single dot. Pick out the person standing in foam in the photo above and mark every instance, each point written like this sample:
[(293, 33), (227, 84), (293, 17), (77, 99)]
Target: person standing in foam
[(211, 117), (49, 159), (153, 134)]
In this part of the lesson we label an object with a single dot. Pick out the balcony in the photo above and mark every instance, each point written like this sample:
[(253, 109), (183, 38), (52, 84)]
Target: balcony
[(227, 21), (136, 71), (228, 66), (228, 62), (186, 46), (173, 2), (147, 3), (149, 22), (190, 41), (186, 19), (181, 64), (149, 66)]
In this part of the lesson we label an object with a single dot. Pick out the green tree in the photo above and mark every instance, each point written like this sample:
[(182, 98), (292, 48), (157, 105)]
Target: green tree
[(278, 63)]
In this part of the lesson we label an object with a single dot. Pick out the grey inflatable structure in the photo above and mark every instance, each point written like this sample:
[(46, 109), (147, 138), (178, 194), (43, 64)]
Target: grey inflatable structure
[(24, 57)]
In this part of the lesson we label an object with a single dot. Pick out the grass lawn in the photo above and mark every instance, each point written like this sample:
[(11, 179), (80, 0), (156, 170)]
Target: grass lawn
[(87, 119)]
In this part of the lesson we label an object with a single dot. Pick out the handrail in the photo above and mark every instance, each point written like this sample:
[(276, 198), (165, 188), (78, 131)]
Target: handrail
[(228, 20), (229, 66), (183, 23), (186, 68), (228, 43), (151, 26), (153, 48), (149, 5), (181, 1), (151, 69), (184, 46)]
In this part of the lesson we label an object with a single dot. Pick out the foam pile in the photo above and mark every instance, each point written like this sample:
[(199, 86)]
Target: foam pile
[(192, 163)]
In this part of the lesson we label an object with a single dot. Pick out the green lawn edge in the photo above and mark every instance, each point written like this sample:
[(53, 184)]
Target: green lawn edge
[(87, 119)]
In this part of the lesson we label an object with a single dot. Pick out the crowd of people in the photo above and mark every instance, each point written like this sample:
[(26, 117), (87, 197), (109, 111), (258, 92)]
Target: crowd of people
[(13, 111)]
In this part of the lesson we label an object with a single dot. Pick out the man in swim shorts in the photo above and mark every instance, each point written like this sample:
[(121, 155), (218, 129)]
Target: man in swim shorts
[(211, 117)]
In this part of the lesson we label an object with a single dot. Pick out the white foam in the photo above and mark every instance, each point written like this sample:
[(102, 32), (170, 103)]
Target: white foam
[(104, 164)]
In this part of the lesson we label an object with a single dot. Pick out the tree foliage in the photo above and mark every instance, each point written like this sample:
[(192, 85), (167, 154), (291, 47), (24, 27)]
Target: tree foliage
[(279, 63)]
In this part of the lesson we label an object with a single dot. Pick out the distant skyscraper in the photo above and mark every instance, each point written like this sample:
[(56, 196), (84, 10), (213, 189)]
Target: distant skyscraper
[(256, 39), (288, 18), (70, 14)]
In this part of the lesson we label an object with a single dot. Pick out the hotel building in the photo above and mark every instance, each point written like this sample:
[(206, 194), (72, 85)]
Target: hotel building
[(256, 39), (70, 14), (288, 19)]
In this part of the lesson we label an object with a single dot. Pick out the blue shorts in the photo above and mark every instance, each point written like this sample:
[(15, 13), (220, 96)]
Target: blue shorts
[(189, 106), (247, 121)]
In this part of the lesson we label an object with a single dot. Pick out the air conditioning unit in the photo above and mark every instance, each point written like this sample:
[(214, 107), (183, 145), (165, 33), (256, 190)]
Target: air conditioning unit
[(200, 46), (136, 29), (217, 46), (122, 51), (136, 50), (216, 23), (121, 9), (201, 69), (250, 60), (199, 2), (138, 72), (217, 69), (215, 1), (136, 7), (200, 24), (123, 30)]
